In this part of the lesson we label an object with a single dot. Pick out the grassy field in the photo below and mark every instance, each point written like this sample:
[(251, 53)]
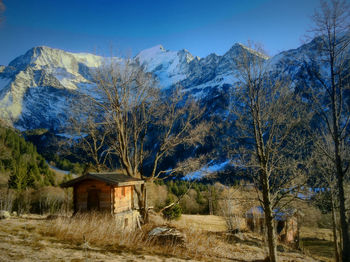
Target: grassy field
[(202, 222), (26, 239), (89, 238), (317, 242)]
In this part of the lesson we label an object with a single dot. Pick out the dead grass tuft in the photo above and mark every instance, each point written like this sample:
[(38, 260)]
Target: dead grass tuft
[(100, 231), (97, 237)]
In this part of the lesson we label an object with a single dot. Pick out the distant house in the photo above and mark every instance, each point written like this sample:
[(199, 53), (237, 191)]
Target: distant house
[(286, 223), (111, 192)]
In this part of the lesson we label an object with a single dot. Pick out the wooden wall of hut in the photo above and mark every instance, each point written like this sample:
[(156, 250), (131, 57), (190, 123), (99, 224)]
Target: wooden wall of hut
[(92, 195), (123, 199)]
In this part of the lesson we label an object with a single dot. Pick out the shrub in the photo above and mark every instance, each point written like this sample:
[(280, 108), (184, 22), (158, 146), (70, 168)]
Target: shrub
[(48, 200), (156, 195), (173, 212)]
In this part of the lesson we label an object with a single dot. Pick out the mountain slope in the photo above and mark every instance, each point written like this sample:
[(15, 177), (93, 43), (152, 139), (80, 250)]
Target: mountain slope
[(20, 163), (36, 88)]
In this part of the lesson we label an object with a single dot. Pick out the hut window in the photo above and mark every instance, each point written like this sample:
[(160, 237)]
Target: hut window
[(123, 191)]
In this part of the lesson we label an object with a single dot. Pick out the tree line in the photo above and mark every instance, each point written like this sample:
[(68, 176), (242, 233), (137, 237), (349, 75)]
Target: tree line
[(21, 162)]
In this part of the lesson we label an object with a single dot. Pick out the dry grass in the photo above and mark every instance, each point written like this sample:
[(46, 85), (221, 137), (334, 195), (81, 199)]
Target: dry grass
[(101, 231), (96, 238), (201, 222), (313, 232), (95, 229), (317, 242), (206, 239), (22, 239)]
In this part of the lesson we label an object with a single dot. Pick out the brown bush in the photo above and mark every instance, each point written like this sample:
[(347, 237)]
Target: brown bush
[(49, 200), (7, 198), (156, 195), (100, 230), (233, 205), (188, 203)]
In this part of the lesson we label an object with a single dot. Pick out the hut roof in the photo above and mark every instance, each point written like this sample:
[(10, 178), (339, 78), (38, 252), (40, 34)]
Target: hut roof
[(111, 178), (258, 212)]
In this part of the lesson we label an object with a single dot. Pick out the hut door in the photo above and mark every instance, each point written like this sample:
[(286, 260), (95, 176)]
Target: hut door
[(93, 200)]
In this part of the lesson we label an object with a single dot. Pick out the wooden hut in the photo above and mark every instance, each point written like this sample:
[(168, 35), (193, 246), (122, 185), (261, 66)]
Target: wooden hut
[(286, 223), (111, 192)]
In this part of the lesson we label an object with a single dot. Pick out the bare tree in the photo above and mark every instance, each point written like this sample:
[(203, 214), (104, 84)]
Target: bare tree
[(88, 134), (268, 116), (142, 126), (326, 178), (328, 94)]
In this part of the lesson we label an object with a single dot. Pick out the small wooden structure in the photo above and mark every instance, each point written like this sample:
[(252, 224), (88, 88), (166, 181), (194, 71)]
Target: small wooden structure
[(111, 192), (286, 223)]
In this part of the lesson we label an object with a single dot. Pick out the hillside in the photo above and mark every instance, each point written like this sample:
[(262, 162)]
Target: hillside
[(36, 89), (20, 164)]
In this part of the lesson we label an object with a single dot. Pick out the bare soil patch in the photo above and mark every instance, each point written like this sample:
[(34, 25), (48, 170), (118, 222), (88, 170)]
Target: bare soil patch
[(35, 238), (21, 239)]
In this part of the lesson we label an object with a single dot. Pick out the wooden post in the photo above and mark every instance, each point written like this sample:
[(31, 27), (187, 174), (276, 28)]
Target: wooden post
[(112, 200), (75, 200), (132, 198)]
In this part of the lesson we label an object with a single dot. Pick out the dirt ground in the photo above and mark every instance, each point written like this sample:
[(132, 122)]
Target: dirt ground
[(24, 239), (20, 240)]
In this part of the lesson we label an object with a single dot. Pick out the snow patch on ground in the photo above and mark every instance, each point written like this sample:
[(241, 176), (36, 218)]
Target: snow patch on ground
[(207, 170), (58, 170), (70, 136)]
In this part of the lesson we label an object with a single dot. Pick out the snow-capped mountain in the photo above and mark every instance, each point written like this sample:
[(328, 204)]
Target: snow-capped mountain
[(35, 88), (169, 66)]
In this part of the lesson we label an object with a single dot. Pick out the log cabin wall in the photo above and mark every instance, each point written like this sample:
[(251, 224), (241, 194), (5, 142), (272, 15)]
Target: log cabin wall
[(291, 230), (81, 192), (123, 198)]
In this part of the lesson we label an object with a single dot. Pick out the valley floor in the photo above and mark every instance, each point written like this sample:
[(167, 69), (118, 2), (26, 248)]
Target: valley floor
[(24, 239), (21, 241)]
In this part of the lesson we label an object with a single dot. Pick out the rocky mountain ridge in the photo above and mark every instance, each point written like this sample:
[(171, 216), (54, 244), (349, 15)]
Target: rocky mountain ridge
[(35, 88)]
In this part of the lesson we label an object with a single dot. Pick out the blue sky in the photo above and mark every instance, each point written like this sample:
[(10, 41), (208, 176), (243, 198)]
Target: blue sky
[(129, 26)]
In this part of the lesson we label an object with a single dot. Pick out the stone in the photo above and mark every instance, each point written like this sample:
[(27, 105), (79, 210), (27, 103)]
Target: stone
[(4, 214), (167, 236)]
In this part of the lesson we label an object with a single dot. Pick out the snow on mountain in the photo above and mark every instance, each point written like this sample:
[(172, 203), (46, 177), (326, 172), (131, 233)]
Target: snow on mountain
[(208, 76), (170, 67), (31, 83), (35, 88)]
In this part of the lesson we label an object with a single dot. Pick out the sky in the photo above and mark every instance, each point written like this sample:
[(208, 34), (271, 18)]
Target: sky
[(129, 26)]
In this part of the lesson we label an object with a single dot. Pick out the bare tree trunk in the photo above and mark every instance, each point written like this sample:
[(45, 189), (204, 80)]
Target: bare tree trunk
[(334, 227), (271, 238), (343, 221), (210, 201), (339, 167), (340, 183), (142, 201), (331, 25)]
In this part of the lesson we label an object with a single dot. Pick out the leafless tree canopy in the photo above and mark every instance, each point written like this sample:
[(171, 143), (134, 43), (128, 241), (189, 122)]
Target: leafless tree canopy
[(329, 96), (128, 117), (325, 176), (268, 117)]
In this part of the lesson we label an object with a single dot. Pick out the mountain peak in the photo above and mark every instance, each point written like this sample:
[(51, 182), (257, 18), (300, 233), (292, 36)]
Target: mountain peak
[(239, 47), (33, 54), (151, 51)]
